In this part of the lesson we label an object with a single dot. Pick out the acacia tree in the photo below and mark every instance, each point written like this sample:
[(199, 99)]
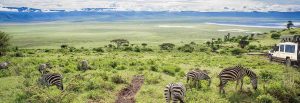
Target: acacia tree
[(167, 46), (144, 45), (4, 42), (120, 42)]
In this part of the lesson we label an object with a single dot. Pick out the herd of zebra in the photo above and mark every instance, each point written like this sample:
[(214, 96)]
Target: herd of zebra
[(173, 92), (176, 91), (47, 78)]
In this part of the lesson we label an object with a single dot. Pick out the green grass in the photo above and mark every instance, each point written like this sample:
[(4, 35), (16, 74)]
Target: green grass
[(113, 70), (96, 34), (97, 84)]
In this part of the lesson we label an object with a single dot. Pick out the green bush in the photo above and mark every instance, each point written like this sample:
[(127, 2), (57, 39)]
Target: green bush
[(186, 48), (275, 35), (117, 79), (169, 71), (99, 49), (19, 54), (113, 64), (154, 68), (265, 99), (237, 51)]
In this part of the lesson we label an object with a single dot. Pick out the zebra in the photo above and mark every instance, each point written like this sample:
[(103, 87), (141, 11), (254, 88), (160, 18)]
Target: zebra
[(83, 65), (43, 68), (197, 75), (236, 73), (4, 65), (175, 92), (52, 79)]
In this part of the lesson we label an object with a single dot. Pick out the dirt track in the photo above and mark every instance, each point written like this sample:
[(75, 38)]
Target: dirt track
[(127, 94)]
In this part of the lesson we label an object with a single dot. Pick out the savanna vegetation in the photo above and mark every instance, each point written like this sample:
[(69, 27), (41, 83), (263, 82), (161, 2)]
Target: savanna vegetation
[(113, 65)]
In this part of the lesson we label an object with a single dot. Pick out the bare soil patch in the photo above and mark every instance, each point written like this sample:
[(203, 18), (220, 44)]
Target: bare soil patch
[(127, 94)]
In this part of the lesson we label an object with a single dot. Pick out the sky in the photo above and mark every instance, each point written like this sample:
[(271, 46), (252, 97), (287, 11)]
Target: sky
[(158, 5)]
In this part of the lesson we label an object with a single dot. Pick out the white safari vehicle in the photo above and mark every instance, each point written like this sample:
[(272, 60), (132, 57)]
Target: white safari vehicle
[(287, 51)]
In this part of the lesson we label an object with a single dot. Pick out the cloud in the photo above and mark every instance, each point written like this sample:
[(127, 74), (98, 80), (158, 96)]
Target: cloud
[(161, 5)]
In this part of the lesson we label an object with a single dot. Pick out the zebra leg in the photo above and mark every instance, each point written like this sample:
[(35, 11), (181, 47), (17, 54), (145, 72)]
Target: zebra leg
[(237, 83), (242, 82)]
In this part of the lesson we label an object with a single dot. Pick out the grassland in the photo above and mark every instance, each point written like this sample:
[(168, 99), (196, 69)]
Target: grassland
[(112, 70), (96, 34)]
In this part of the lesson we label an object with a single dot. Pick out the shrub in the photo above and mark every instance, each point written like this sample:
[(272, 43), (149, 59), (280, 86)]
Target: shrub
[(169, 71), (99, 49), (19, 54), (72, 49), (266, 75), (128, 48), (167, 46), (275, 35), (113, 64), (186, 48), (117, 79), (4, 42), (237, 51), (153, 79), (64, 46), (154, 68), (137, 49), (265, 99)]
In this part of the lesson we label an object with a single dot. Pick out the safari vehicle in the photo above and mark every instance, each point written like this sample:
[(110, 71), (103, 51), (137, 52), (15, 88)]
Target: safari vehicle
[(287, 51)]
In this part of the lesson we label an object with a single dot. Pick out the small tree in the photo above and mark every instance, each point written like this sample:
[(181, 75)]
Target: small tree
[(186, 48), (167, 46), (208, 43), (289, 25), (144, 45), (64, 46), (243, 43), (120, 42), (4, 42), (275, 36)]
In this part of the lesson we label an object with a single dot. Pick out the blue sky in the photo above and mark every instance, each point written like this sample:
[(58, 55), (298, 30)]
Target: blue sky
[(159, 5)]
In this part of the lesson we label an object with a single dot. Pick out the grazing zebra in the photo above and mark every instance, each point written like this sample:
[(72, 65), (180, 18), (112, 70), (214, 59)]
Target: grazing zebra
[(4, 65), (236, 73), (52, 79), (43, 68), (175, 92), (83, 65), (197, 75)]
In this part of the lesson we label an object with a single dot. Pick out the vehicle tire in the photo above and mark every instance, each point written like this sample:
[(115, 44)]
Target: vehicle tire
[(288, 62)]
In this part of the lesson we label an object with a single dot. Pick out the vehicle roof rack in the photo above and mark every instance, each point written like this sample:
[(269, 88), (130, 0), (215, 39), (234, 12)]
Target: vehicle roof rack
[(290, 38)]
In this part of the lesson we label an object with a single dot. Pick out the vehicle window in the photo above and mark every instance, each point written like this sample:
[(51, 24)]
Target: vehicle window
[(281, 48), (290, 48)]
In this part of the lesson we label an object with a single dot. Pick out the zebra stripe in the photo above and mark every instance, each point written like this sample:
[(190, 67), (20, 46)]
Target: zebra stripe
[(52, 79), (236, 73), (174, 92), (197, 75)]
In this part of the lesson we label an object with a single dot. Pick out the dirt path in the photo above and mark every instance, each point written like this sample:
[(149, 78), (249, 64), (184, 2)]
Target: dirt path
[(127, 94)]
